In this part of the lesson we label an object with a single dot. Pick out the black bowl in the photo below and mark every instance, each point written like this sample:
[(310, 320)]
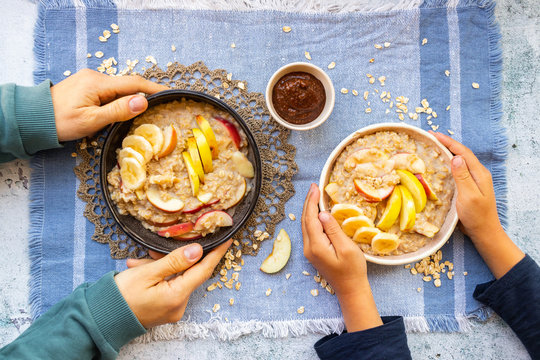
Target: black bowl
[(133, 227)]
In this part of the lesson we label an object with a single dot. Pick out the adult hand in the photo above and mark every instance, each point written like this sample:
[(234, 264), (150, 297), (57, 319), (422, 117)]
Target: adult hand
[(152, 291), (477, 209), (88, 100), (341, 262)]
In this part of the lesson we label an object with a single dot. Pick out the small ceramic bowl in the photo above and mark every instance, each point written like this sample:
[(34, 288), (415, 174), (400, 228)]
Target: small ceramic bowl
[(133, 227), (416, 133), (310, 69)]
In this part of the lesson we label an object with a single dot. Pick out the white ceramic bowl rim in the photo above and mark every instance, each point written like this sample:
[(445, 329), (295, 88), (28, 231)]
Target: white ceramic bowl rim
[(319, 74), (450, 221)]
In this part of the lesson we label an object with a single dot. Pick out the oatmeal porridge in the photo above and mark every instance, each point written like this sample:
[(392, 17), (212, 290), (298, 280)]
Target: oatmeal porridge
[(182, 168), (390, 192)]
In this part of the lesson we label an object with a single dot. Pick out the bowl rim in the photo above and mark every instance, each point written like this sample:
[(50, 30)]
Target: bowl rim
[(451, 216), (319, 74), (196, 96)]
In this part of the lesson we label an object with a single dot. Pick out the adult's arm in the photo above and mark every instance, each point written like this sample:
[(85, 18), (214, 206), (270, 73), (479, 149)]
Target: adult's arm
[(27, 123)]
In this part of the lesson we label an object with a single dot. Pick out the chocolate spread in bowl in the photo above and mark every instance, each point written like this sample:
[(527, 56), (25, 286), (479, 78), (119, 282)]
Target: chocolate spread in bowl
[(298, 97)]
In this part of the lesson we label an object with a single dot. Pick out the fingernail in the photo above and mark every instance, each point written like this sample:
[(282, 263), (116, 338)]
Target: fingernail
[(457, 161), (324, 216), (137, 104), (192, 252)]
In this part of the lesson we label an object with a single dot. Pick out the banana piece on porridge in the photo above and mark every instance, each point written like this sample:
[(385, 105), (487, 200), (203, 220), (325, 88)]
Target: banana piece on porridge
[(133, 173), (384, 243), (139, 144), (365, 235), (130, 152), (153, 134), (410, 162), (340, 212), (350, 225)]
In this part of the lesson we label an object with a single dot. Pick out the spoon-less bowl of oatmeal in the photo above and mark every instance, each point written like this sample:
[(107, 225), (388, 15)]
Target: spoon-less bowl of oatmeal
[(390, 188), (186, 170)]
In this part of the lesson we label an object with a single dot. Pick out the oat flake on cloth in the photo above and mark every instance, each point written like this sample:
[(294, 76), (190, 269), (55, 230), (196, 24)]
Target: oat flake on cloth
[(461, 37)]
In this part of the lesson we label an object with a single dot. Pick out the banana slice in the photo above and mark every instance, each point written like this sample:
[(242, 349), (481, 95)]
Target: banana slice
[(365, 234), (133, 173), (384, 243), (340, 212), (139, 144), (129, 152), (350, 225), (153, 134)]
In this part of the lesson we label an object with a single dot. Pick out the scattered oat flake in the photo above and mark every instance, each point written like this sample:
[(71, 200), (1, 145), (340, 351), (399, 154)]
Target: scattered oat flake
[(169, 63), (216, 308), (114, 26), (354, 92), (371, 80), (233, 45), (372, 60), (238, 285), (332, 65), (366, 93), (231, 301), (67, 73), (292, 217), (268, 292), (448, 108), (229, 76), (287, 276), (419, 289), (377, 46), (286, 29), (401, 117), (434, 127), (314, 292), (368, 110), (106, 34), (437, 282), (102, 39), (99, 54), (447, 72), (414, 271), (73, 154), (300, 310), (424, 41), (475, 85), (173, 48), (306, 273), (387, 111), (307, 55), (386, 44), (344, 91), (89, 55), (241, 85), (426, 278), (465, 273), (151, 59)]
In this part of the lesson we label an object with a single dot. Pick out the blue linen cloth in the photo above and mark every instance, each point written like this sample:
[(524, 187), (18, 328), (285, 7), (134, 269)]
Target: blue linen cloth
[(461, 38)]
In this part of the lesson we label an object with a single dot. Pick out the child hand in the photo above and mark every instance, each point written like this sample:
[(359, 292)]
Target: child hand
[(88, 100), (341, 262), (154, 291)]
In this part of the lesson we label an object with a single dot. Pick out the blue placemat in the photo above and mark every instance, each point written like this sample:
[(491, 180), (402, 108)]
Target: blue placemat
[(462, 39)]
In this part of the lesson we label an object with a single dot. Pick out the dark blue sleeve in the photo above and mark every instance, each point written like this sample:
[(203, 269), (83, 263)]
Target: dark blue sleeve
[(516, 298), (387, 341)]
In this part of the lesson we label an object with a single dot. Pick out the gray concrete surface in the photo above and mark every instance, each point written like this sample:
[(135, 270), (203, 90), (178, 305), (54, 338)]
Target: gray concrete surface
[(520, 26)]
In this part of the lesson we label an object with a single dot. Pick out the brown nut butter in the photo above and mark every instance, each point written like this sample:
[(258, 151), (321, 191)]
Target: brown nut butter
[(298, 97)]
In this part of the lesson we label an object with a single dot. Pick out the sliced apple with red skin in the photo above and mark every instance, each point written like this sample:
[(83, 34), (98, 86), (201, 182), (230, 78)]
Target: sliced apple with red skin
[(415, 187), (162, 224), (281, 252), (213, 218), (408, 213), (233, 132), (238, 193), (193, 210), (372, 194), (171, 205), (195, 157), (391, 211), (242, 164), (176, 230), (190, 236), (192, 175), (170, 139), (205, 127), (427, 188)]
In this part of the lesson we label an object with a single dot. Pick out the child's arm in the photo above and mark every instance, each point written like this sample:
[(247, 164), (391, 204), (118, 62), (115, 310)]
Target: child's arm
[(515, 295), (341, 262)]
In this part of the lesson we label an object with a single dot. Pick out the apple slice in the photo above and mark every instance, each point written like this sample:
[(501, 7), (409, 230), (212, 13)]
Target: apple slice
[(365, 234), (211, 219), (427, 188), (415, 187), (194, 209), (133, 174), (139, 144), (233, 133), (384, 243), (170, 139), (281, 252), (409, 162), (205, 197), (195, 157), (204, 150), (238, 193), (130, 152), (176, 230), (332, 190), (408, 213), (153, 134), (350, 225), (162, 224), (192, 235), (205, 127), (340, 212), (371, 193), (193, 177), (242, 164), (391, 211), (362, 156), (171, 205)]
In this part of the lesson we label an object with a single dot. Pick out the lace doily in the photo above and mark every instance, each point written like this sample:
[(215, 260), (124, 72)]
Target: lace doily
[(277, 157)]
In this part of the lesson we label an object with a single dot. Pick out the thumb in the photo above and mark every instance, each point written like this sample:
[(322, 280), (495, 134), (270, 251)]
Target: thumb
[(177, 261), (121, 109), (464, 181), (333, 230)]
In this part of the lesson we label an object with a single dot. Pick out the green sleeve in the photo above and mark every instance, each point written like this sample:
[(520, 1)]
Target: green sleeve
[(26, 121), (91, 323)]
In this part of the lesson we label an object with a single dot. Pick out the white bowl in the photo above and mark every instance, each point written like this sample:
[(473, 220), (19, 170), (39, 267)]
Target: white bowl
[(310, 69), (451, 219)]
